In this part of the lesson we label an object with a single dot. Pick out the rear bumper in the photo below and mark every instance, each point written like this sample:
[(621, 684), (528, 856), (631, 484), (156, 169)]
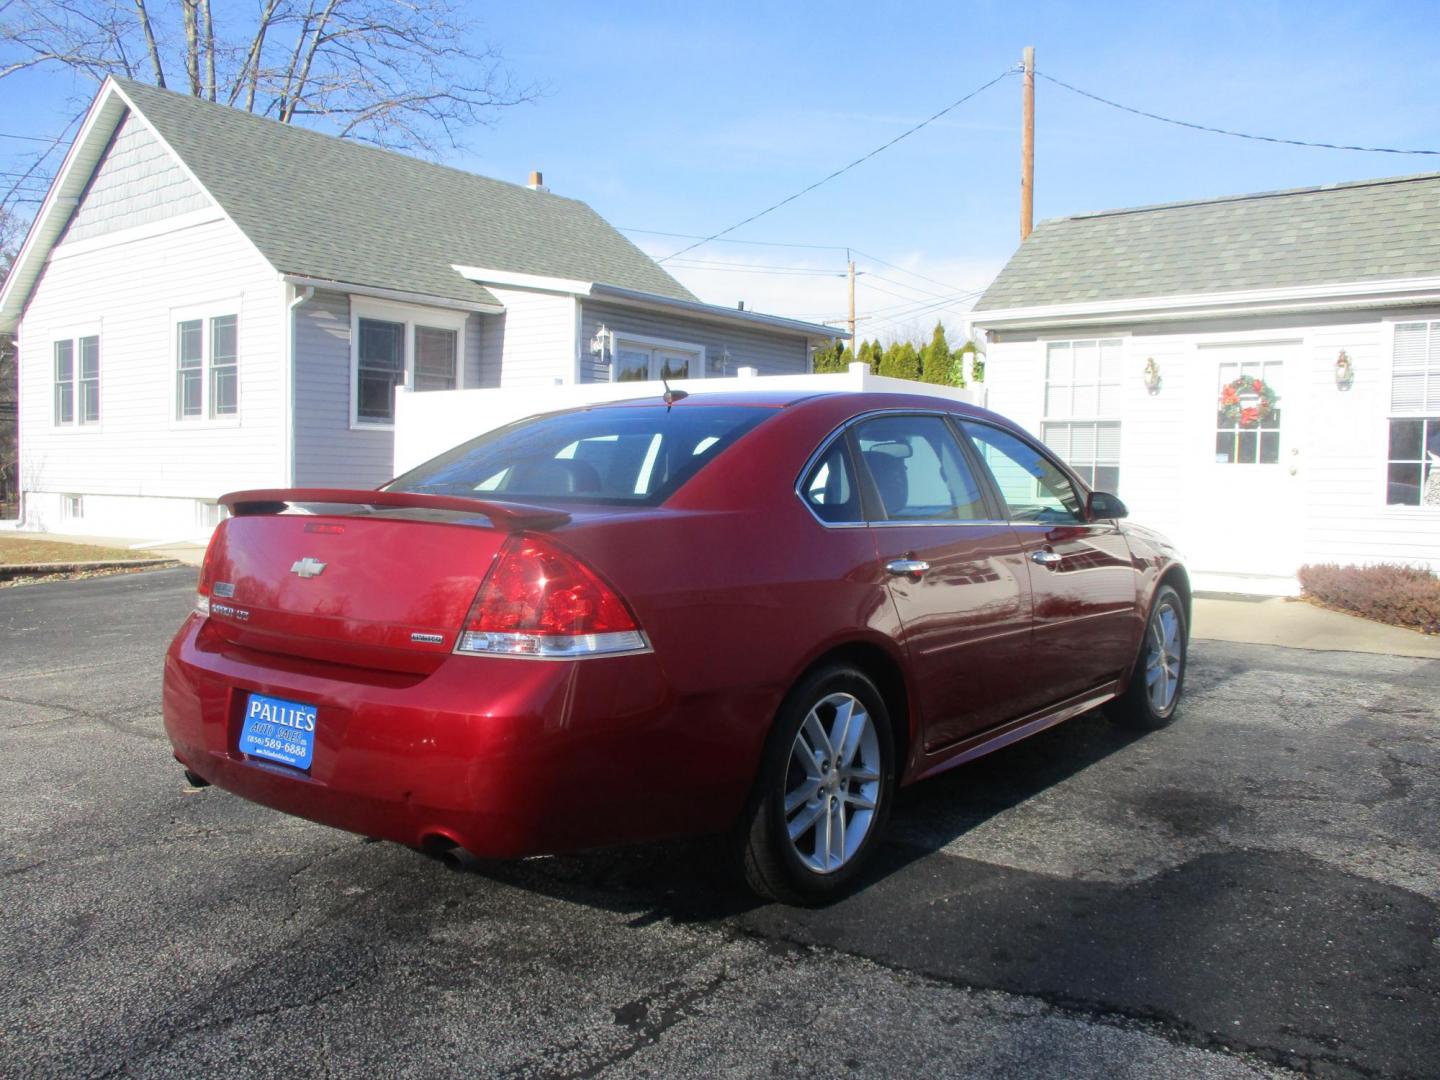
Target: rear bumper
[(505, 757)]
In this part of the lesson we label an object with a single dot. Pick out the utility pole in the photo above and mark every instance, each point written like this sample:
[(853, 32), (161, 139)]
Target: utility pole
[(1027, 146), (852, 305)]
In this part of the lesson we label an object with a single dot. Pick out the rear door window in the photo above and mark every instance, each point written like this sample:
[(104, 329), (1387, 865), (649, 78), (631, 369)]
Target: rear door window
[(829, 489), (636, 455), (918, 470)]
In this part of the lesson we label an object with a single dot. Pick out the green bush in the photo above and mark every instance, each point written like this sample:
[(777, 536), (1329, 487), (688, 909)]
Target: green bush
[(1400, 595)]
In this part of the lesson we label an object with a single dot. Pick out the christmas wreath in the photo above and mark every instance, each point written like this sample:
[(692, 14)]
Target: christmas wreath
[(1247, 402)]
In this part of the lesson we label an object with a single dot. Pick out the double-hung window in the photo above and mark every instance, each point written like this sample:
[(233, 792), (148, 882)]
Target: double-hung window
[(77, 380), (1413, 465), (1082, 407), (393, 346), (207, 366)]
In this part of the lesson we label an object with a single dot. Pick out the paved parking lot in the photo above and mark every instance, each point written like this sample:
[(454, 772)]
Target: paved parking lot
[(1254, 890)]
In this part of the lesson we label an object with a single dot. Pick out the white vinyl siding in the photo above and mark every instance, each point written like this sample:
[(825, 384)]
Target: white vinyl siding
[(1083, 391), (131, 291)]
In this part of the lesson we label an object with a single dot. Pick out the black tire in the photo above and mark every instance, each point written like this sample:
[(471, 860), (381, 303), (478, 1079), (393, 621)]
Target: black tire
[(1137, 708), (774, 866)]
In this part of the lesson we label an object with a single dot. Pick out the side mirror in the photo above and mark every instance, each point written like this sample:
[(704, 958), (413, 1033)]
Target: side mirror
[(1102, 506)]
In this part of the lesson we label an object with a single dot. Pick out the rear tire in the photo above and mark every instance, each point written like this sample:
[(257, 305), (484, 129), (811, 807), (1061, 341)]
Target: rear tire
[(824, 791), (1152, 699)]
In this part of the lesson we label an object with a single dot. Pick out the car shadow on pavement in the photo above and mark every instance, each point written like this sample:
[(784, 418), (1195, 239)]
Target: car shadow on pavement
[(691, 880)]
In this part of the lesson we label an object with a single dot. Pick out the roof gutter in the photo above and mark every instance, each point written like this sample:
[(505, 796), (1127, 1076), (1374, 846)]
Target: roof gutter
[(595, 290), (1289, 300), (398, 295)]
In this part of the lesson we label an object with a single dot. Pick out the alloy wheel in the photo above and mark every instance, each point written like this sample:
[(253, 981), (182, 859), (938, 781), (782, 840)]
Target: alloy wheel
[(832, 783), (1164, 658)]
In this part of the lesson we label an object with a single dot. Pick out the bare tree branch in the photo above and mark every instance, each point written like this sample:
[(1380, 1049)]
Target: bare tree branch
[(149, 32)]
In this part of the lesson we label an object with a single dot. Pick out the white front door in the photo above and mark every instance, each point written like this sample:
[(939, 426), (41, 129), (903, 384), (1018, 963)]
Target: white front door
[(1243, 503)]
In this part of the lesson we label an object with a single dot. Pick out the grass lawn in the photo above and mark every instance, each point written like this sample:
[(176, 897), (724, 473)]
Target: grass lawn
[(15, 551)]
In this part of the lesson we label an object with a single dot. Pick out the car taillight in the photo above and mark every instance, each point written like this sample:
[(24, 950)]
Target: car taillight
[(540, 601), (202, 590)]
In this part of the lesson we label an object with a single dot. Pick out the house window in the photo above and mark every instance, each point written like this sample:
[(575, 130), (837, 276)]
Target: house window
[(73, 508), (1413, 466), (1247, 430), (638, 360), (1082, 408), (398, 346), (77, 381), (207, 380)]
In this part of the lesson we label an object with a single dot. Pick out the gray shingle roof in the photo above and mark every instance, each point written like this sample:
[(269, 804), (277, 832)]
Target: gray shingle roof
[(1373, 230), (323, 207)]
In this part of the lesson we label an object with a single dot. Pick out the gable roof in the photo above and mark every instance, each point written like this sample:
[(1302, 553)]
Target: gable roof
[(329, 209), (323, 207), (1373, 230)]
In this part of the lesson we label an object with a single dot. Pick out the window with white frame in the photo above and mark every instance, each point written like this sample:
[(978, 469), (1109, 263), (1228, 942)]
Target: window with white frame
[(1082, 407), (1247, 419), (394, 345), (1413, 464), (77, 380), (639, 359), (207, 366)]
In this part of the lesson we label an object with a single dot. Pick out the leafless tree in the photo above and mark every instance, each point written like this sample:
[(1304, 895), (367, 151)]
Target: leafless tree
[(404, 74)]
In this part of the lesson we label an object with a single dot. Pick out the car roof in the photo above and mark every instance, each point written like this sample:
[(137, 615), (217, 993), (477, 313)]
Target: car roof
[(785, 398)]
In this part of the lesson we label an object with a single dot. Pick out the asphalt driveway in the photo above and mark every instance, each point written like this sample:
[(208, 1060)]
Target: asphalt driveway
[(1253, 890)]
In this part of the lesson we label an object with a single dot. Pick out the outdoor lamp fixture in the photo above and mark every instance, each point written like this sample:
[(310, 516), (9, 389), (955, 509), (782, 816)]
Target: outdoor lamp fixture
[(1152, 376), (601, 345), (724, 360), (1344, 371)]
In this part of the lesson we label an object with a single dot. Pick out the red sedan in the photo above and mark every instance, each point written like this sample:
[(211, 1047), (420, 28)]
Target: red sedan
[(754, 614)]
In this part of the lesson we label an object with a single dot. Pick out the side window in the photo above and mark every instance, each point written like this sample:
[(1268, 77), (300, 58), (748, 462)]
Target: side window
[(1032, 485), (919, 470), (829, 489)]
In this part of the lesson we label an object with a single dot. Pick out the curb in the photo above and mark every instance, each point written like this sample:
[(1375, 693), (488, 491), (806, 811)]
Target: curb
[(14, 570)]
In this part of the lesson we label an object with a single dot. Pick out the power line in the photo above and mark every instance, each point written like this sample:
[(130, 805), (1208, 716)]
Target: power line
[(904, 270), (24, 138), (753, 243), (1226, 131), (844, 169)]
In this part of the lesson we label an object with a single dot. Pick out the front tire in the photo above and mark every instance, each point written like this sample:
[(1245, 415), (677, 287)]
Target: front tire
[(824, 790), (1151, 700)]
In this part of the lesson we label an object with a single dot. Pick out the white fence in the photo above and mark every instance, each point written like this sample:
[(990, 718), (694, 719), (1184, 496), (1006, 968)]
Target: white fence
[(431, 422)]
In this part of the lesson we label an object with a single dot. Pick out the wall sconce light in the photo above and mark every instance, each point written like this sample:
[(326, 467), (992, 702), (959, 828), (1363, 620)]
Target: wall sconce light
[(601, 344), (1152, 376), (1344, 371)]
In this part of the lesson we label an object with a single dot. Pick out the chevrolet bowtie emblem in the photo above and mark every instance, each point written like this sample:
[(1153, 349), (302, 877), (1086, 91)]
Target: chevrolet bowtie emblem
[(308, 567)]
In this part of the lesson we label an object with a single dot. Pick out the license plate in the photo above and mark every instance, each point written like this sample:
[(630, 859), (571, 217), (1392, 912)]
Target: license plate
[(279, 730)]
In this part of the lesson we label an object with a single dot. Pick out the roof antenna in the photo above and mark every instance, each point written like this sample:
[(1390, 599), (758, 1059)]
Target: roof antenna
[(671, 396)]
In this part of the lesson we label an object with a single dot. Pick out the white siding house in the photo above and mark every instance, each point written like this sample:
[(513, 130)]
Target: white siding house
[(210, 301), (1114, 336)]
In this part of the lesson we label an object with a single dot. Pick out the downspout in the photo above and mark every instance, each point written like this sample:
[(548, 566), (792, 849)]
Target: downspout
[(301, 295)]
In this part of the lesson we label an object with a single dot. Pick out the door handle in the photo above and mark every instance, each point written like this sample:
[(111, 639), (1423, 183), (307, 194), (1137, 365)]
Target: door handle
[(1047, 559), (907, 567)]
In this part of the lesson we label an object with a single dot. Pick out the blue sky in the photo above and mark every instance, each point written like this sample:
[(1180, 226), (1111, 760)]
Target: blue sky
[(686, 118)]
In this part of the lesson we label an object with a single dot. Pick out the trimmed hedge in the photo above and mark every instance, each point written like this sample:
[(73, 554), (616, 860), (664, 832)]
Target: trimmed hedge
[(1400, 595)]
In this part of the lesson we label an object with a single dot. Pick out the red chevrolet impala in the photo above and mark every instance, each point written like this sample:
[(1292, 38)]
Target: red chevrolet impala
[(754, 614)]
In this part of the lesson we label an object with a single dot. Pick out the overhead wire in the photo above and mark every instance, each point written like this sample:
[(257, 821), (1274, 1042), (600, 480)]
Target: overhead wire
[(843, 169), (1227, 131)]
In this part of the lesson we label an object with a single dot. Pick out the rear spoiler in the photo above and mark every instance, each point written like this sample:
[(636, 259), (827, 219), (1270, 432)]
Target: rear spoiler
[(512, 517)]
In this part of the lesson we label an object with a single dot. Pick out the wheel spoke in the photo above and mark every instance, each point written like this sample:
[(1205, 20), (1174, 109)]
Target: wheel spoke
[(804, 756), (859, 722), (804, 819), (859, 800), (840, 728), (819, 739), (837, 830), (862, 774), (802, 794)]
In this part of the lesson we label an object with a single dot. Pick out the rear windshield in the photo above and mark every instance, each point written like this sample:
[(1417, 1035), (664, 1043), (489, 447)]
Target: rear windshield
[(629, 455)]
